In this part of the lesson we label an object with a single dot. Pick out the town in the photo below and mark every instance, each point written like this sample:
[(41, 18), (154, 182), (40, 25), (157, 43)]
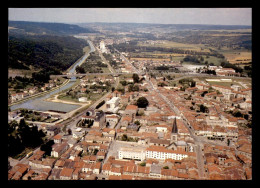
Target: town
[(157, 132), (141, 104)]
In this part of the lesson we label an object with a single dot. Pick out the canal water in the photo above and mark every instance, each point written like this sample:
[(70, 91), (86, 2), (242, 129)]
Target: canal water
[(39, 104)]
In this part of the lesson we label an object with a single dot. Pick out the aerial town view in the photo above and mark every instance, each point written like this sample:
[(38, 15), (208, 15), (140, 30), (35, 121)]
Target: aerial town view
[(129, 94)]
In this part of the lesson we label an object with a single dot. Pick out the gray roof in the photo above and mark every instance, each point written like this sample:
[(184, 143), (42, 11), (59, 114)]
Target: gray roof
[(155, 169)]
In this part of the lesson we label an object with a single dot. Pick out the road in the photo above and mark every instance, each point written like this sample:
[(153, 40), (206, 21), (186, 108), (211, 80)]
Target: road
[(72, 121), (198, 143)]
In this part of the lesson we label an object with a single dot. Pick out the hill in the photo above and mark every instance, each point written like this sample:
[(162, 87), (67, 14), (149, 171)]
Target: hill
[(48, 28), (47, 53)]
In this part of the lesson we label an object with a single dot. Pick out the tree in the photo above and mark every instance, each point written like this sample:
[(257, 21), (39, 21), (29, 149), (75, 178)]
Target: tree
[(135, 78), (137, 122), (203, 108), (124, 137), (47, 147), (165, 167), (69, 131), (123, 82), (142, 102), (228, 142)]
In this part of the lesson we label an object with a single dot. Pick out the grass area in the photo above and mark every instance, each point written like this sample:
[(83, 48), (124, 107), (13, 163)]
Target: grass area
[(105, 70), (95, 96), (184, 46), (69, 98), (226, 84), (238, 57), (123, 76)]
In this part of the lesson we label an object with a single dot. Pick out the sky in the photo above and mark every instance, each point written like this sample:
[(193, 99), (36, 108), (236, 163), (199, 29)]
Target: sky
[(213, 16)]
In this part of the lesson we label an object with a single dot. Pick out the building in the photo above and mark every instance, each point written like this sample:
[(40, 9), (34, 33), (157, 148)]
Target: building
[(131, 153), (161, 153), (59, 149), (112, 119), (112, 105), (83, 99), (102, 47), (131, 110), (99, 119), (53, 130)]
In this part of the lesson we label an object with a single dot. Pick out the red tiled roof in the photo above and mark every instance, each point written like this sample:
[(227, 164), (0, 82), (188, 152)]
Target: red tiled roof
[(131, 107), (67, 172)]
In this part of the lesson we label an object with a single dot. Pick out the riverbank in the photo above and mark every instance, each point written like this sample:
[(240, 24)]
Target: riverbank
[(39, 94)]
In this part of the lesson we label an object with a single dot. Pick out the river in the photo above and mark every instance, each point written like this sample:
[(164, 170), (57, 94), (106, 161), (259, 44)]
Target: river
[(40, 104)]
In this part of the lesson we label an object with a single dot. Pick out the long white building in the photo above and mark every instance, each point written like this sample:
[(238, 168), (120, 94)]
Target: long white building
[(152, 152)]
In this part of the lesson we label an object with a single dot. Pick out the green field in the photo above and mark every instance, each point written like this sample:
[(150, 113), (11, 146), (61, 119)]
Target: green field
[(184, 46)]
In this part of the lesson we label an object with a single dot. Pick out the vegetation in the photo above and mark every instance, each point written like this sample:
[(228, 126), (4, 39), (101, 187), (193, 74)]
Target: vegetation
[(48, 28), (47, 147), (142, 102), (45, 53), (21, 136), (135, 78), (128, 139), (100, 104)]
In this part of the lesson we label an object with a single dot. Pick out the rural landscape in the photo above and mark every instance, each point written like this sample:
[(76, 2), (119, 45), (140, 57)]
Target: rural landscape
[(129, 101)]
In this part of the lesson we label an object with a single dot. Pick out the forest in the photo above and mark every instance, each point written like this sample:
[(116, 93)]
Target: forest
[(48, 28), (21, 136), (46, 53)]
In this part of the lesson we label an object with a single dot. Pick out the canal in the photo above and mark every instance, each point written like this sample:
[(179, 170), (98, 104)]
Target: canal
[(40, 104)]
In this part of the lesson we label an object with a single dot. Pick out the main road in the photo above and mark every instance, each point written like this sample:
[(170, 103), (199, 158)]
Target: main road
[(198, 143), (71, 122)]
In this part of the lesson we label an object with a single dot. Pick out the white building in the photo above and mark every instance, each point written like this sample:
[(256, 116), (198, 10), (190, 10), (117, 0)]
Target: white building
[(131, 153), (161, 153), (83, 99), (102, 47), (112, 104)]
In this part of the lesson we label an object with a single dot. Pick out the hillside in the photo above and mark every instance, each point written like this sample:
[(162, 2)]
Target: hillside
[(46, 53), (47, 28)]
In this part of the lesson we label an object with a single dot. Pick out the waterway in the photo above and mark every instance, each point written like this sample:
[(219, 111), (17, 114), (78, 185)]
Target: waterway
[(40, 104)]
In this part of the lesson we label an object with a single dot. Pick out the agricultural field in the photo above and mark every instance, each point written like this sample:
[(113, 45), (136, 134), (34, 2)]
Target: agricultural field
[(238, 57), (183, 46)]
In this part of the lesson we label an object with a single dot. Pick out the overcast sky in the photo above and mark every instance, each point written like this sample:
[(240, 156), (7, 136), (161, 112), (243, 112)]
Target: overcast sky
[(215, 16)]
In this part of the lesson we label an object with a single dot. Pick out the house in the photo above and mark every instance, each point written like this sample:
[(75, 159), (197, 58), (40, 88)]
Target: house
[(112, 120), (57, 139), (59, 149), (131, 110), (53, 130), (101, 155), (158, 142), (126, 120), (116, 94), (66, 174), (132, 126)]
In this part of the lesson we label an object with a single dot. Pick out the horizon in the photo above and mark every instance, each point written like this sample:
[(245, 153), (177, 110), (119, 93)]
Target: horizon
[(75, 23), (198, 16)]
